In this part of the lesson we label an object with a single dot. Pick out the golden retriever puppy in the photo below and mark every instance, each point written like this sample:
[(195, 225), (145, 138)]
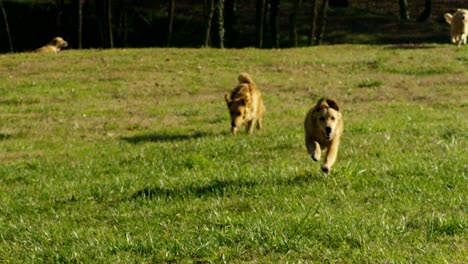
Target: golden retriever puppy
[(245, 105), (54, 46), (458, 26), (323, 128)]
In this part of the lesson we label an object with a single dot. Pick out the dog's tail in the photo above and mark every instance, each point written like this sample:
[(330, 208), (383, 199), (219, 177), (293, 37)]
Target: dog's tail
[(245, 78)]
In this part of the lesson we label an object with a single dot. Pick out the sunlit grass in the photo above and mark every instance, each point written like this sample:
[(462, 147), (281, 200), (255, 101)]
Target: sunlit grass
[(126, 156)]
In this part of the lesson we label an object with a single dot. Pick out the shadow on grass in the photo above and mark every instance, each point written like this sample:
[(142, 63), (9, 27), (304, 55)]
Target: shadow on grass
[(4, 136), (412, 46), (305, 177), (215, 188), (221, 187), (163, 137)]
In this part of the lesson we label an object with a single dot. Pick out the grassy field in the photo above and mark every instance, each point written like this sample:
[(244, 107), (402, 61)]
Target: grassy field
[(125, 156)]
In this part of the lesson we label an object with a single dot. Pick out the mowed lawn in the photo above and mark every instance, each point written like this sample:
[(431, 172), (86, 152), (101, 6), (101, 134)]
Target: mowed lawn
[(125, 156)]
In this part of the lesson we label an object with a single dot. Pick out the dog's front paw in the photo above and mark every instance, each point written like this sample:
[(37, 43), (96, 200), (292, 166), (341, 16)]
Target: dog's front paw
[(315, 157), (326, 169)]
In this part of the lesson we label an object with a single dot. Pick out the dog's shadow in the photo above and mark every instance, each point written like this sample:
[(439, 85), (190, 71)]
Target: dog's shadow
[(214, 188), (164, 137), (305, 177), (221, 187)]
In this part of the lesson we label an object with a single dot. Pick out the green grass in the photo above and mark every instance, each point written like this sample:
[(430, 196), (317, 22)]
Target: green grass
[(125, 156)]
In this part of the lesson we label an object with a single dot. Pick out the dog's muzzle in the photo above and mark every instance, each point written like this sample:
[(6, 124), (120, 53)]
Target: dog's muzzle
[(328, 132)]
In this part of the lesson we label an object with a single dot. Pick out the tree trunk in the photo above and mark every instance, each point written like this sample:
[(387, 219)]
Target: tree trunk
[(171, 21), (7, 27), (101, 14), (293, 23), (221, 23), (209, 19), (274, 21), (229, 22), (322, 22), (313, 27), (260, 17), (109, 20), (125, 38), (404, 12), (80, 23), (60, 6), (122, 25), (426, 14)]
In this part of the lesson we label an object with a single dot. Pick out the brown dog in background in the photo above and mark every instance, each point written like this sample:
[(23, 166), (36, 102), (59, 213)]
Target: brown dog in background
[(245, 105), (54, 46), (323, 128)]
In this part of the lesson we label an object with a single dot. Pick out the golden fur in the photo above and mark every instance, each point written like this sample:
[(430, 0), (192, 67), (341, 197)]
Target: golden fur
[(323, 128), (54, 46), (458, 26), (245, 105)]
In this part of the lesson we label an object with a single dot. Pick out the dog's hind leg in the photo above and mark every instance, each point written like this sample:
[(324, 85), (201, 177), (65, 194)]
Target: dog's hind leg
[(250, 126), (259, 124)]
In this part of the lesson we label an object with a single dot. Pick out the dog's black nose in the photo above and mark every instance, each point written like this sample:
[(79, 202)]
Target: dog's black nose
[(328, 130), (233, 124)]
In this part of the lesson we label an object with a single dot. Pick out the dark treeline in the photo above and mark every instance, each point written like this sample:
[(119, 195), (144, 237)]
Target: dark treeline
[(26, 25)]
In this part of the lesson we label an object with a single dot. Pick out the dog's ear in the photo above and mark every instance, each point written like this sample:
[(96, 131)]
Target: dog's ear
[(332, 104), (448, 18), (321, 104), (326, 103)]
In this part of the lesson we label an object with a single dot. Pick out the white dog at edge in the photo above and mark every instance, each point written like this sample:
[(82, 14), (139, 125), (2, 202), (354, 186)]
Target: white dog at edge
[(458, 26)]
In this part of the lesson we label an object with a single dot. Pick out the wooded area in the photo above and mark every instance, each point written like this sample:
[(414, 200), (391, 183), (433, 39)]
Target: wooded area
[(26, 25)]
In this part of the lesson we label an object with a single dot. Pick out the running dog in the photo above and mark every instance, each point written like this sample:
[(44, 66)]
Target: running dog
[(458, 26), (245, 105), (323, 128)]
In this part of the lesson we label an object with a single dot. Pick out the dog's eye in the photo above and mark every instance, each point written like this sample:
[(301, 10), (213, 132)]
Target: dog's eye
[(332, 118), (323, 119)]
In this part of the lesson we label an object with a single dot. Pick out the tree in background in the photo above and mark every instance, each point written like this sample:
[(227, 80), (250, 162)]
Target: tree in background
[(171, 21), (7, 28), (60, 5), (322, 22), (293, 23), (109, 24), (404, 11), (230, 10), (274, 23), (123, 23), (319, 20), (426, 14), (260, 17), (103, 10), (221, 23), (209, 13), (313, 26), (80, 23)]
